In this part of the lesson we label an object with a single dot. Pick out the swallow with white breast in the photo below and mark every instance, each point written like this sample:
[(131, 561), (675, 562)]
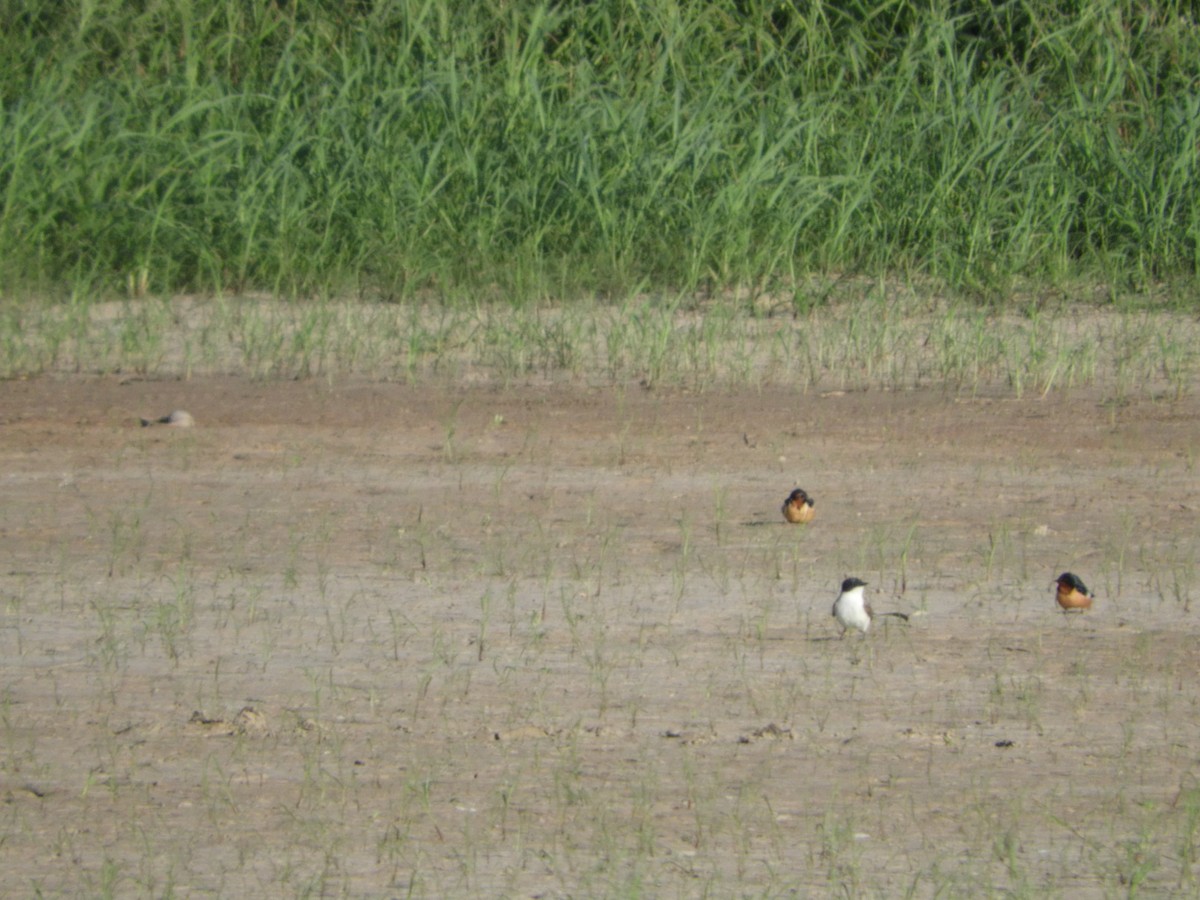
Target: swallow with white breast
[(852, 610)]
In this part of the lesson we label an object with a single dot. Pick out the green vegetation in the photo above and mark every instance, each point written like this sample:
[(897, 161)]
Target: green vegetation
[(869, 335), (531, 150)]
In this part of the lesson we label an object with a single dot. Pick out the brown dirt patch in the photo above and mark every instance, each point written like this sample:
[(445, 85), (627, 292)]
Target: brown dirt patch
[(376, 639)]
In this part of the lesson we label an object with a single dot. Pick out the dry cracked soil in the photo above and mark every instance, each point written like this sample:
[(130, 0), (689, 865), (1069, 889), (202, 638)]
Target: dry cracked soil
[(387, 640)]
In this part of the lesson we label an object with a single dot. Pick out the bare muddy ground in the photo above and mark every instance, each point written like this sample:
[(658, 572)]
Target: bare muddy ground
[(383, 640)]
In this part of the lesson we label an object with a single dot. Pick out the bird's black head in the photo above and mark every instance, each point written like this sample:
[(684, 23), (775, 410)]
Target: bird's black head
[(851, 583), (799, 496), (1070, 580)]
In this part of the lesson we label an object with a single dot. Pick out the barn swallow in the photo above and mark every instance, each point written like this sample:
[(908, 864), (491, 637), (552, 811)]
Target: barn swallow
[(1072, 593), (852, 610), (798, 507)]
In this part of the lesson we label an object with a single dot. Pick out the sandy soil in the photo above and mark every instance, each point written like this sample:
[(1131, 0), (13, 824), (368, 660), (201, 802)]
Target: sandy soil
[(385, 640)]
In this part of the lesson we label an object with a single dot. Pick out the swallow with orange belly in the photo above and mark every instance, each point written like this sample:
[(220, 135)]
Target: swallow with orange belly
[(1072, 593), (798, 507)]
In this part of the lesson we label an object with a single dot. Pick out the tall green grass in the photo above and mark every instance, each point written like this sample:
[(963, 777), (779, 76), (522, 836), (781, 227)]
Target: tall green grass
[(543, 149)]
